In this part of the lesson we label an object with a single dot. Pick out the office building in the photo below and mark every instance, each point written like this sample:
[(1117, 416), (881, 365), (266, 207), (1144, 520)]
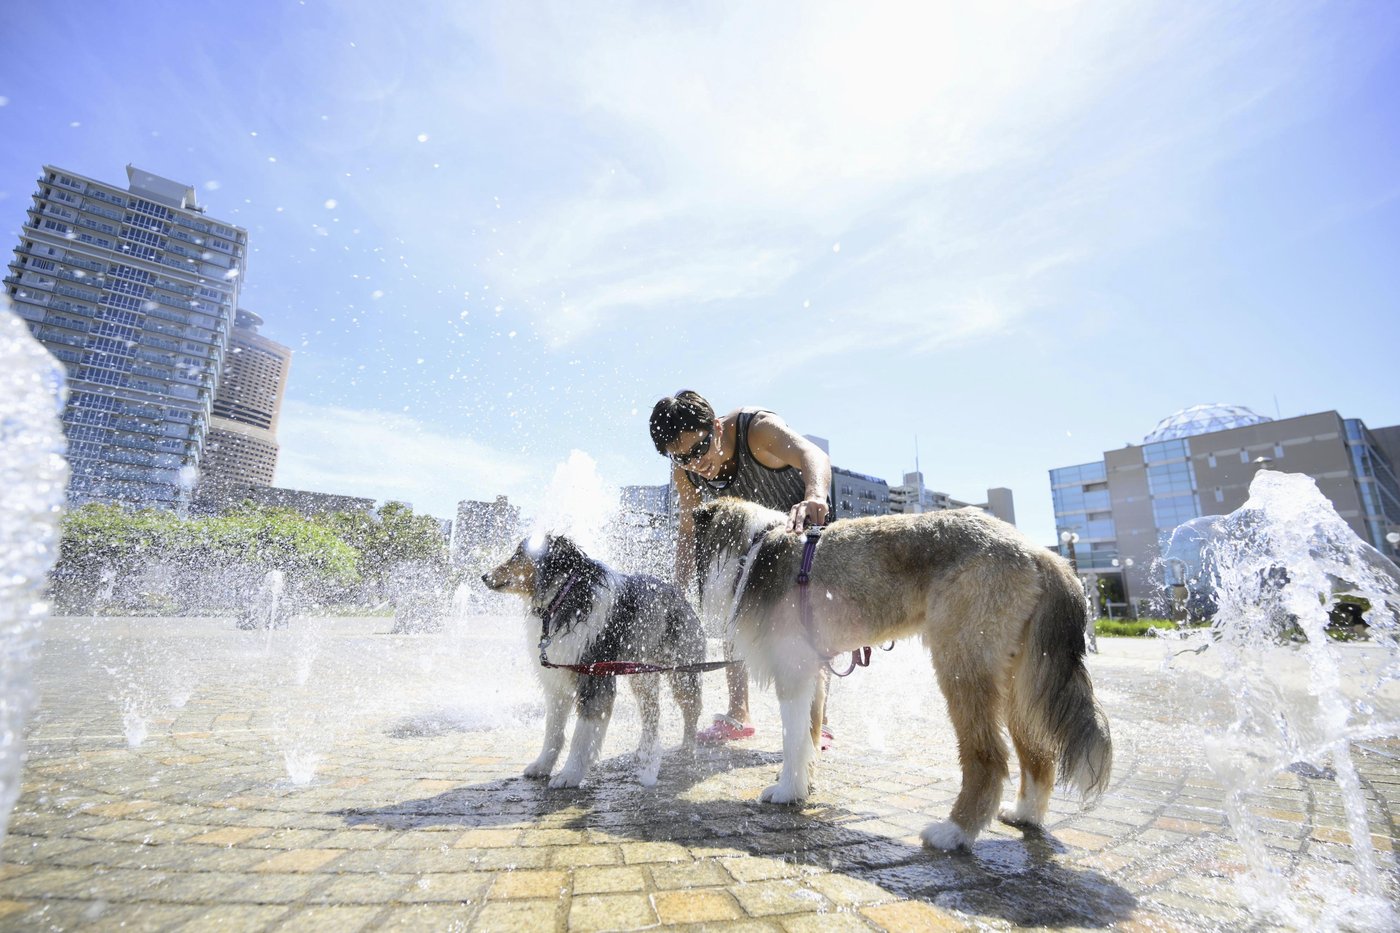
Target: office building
[(134, 290), (217, 498), (1200, 461), (241, 446), (484, 532), (912, 497), (857, 494)]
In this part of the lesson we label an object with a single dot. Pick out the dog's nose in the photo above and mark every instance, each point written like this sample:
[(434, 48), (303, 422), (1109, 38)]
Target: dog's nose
[(486, 578)]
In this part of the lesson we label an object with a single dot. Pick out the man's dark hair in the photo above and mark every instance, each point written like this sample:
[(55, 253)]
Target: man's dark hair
[(675, 414)]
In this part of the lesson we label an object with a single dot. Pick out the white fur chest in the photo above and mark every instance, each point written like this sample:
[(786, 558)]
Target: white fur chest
[(569, 637)]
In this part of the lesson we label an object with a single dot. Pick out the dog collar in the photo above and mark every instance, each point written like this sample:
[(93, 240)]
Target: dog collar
[(547, 616)]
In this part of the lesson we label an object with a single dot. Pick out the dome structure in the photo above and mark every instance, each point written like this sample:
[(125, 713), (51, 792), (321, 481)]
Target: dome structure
[(1203, 419)]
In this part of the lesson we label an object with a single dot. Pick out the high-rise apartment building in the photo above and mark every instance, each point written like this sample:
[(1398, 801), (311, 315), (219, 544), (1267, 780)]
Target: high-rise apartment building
[(134, 290), (242, 444), (912, 497), (1200, 461)]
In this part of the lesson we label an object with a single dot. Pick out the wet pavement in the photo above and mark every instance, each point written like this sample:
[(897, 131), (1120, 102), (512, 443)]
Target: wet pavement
[(183, 774)]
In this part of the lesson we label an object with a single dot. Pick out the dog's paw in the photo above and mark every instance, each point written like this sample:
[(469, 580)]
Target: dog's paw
[(947, 836), (783, 792), (539, 768), (1019, 816), (567, 778)]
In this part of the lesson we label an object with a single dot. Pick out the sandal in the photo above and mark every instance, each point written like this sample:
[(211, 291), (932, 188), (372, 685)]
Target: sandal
[(724, 729)]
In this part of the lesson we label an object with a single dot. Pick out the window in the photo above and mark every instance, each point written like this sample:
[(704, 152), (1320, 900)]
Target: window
[(1171, 511), (1244, 456), (1170, 478), (1165, 450)]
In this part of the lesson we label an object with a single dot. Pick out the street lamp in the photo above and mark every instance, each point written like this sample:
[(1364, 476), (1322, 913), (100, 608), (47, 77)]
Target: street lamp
[(1126, 563), (1070, 538), (1393, 538)]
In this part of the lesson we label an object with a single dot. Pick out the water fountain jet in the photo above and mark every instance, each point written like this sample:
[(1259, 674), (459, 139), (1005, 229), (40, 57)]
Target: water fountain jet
[(1269, 573)]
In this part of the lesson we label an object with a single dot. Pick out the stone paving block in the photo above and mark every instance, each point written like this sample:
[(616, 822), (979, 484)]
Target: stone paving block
[(340, 919), (746, 870), (487, 839), (609, 879), (634, 853), (577, 856), (528, 884), (274, 889), (362, 888), (696, 906), (788, 896), (355, 839), (11, 908), (589, 913), (822, 922), (207, 858), (846, 891), (509, 859), (236, 918), (1093, 842), (228, 836), (299, 860), (515, 916), (438, 860), (673, 875), (41, 882), (912, 917), (460, 887), (553, 837), (421, 839), (1170, 902)]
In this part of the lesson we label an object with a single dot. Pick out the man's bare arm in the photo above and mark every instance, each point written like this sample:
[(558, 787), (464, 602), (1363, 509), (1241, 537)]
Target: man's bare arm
[(776, 445), (685, 532)]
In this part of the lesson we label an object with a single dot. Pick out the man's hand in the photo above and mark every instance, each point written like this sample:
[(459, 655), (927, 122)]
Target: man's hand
[(807, 512)]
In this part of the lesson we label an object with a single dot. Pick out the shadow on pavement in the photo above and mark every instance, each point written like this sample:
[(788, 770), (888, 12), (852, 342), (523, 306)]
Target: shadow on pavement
[(1020, 881)]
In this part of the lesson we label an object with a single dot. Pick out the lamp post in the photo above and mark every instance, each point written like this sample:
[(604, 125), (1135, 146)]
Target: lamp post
[(1393, 539), (1126, 563), (1091, 639)]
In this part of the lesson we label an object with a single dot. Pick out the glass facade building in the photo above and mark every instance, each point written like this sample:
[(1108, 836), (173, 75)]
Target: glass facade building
[(134, 290), (1200, 462)]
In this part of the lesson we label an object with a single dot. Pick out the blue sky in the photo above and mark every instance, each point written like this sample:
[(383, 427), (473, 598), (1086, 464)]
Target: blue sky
[(1020, 232)]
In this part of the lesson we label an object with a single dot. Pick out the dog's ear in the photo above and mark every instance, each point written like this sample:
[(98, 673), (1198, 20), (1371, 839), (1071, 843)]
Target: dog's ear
[(561, 557)]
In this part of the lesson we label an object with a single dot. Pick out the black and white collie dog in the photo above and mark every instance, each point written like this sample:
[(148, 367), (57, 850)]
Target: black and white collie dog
[(588, 613)]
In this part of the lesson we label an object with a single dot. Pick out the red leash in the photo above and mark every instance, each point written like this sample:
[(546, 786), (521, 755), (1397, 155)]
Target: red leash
[(620, 668)]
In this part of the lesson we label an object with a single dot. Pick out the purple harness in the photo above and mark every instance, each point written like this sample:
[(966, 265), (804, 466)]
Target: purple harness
[(860, 657)]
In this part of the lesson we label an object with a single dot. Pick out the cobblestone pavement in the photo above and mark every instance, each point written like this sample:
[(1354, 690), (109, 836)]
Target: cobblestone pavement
[(184, 775)]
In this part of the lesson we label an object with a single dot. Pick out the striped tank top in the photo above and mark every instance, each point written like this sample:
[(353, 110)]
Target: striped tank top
[(779, 489)]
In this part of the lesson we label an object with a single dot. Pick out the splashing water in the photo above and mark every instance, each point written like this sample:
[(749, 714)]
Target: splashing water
[(301, 765), (135, 724), (1300, 699), (577, 503), (32, 479)]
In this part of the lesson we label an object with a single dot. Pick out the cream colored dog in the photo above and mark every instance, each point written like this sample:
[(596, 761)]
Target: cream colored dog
[(1003, 620)]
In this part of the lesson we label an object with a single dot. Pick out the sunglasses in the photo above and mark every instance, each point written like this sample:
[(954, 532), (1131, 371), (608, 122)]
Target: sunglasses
[(701, 448)]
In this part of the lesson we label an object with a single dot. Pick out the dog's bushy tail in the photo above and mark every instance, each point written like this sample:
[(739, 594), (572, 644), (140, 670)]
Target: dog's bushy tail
[(1070, 717)]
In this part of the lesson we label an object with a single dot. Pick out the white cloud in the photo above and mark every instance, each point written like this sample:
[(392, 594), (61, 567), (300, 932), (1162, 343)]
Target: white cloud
[(379, 455), (975, 146)]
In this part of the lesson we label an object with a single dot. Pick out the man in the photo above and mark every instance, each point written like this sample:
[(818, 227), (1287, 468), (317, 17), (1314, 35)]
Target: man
[(752, 454)]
